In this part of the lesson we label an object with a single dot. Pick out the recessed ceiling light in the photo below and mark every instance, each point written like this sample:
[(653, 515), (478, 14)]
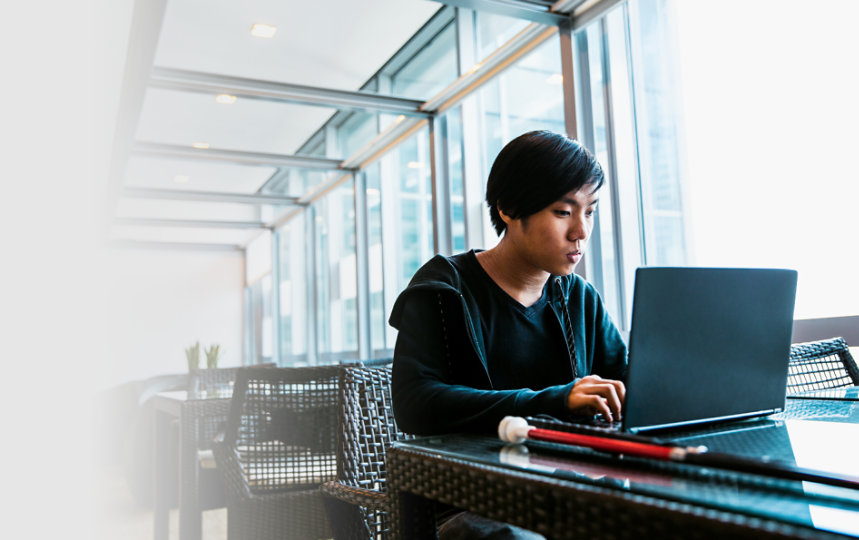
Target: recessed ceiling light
[(555, 78), (226, 99), (201, 145), (263, 30), (181, 178)]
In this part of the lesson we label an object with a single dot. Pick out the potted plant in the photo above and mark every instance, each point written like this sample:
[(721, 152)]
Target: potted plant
[(192, 354), (212, 356)]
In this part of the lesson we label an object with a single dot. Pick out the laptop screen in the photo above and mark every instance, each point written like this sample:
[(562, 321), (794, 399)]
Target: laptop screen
[(707, 344)]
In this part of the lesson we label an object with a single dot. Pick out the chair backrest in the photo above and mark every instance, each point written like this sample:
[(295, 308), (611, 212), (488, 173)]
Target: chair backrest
[(283, 426), (368, 426), (819, 365)]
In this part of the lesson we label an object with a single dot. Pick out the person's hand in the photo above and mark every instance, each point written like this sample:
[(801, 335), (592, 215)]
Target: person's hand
[(593, 395)]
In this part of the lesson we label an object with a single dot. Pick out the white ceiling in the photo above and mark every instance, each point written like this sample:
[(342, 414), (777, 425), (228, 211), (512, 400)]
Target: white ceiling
[(336, 44)]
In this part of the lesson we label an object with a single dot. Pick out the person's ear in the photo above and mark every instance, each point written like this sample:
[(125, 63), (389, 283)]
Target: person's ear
[(505, 217)]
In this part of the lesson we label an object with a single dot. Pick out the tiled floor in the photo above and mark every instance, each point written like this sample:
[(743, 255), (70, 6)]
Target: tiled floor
[(119, 517)]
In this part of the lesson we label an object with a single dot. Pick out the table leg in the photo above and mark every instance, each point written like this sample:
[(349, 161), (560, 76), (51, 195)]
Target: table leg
[(190, 515), (162, 475)]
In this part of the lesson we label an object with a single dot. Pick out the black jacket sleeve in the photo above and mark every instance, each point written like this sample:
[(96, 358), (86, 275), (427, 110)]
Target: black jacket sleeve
[(428, 398)]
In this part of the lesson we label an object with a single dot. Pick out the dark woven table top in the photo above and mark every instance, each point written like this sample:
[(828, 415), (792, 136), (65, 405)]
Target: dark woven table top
[(750, 502)]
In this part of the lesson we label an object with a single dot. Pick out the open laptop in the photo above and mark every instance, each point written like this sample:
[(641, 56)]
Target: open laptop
[(707, 344)]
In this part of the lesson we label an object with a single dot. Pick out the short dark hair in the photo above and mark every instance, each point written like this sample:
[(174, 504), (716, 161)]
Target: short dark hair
[(536, 169)]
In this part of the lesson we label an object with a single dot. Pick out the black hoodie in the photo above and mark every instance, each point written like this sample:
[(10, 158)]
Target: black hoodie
[(440, 380)]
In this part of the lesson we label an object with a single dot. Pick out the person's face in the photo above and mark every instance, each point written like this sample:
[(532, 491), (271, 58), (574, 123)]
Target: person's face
[(554, 239)]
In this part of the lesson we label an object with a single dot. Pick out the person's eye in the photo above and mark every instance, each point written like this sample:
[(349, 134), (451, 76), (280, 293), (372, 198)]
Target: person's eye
[(590, 213), (562, 213)]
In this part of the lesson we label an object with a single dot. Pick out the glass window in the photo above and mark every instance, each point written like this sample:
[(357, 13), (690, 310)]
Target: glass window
[(258, 330), (659, 118), (293, 292), (406, 215), (526, 96), (375, 260), (768, 137), (430, 70), (356, 132), (607, 126), (336, 277), (493, 31), (455, 172)]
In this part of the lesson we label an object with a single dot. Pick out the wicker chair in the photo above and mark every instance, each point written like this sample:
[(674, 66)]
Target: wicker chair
[(820, 365), (278, 448), (358, 506)]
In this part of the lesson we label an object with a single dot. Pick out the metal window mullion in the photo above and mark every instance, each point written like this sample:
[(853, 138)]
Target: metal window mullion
[(587, 137), (275, 297), (389, 192), (312, 290), (362, 265), (442, 241), (611, 152), (565, 35)]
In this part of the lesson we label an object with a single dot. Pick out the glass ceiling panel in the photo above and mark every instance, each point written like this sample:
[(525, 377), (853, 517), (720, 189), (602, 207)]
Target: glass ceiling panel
[(339, 44), (250, 125), (192, 175)]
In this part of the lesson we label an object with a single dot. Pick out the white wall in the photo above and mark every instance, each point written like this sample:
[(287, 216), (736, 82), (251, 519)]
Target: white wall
[(157, 302)]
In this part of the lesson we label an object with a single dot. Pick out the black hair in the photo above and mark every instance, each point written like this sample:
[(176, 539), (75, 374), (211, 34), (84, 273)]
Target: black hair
[(536, 169)]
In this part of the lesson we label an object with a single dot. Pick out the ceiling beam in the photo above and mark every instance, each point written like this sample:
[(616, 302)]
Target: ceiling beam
[(203, 224), (210, 196), (193, 81), (236, 156), (520, 9), (176, 246)]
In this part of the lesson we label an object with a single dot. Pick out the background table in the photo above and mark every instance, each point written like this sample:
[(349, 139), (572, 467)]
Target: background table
[(580, 494), (192, 414)]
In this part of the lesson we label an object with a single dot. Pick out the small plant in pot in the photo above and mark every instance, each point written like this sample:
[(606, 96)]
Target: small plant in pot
[(192, 354), (212, 356)]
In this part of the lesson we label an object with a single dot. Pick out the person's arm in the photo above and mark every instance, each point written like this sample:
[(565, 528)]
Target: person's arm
[(425, 399), (602, 391)]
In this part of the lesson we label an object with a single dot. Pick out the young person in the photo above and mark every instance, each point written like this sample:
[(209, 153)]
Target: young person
[(511, 330)]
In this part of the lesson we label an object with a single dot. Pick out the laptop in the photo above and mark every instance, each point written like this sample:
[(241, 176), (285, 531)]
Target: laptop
[(707, 345)]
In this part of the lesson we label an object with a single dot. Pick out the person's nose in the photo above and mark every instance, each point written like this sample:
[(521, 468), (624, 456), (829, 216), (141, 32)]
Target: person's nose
[(578, 229)]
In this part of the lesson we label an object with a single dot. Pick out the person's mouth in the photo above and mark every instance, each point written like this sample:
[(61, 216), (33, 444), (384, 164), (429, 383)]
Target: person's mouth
[(574, 256)]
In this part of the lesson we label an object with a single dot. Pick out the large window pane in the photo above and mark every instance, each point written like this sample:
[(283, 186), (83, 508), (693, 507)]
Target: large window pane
[(293, 292), (494, 31), (431, 70), (336, 277), (407, 231), (769, 132)]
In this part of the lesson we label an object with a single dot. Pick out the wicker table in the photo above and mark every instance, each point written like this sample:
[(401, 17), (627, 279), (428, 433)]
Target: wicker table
[(197, 416), (564, 493)]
